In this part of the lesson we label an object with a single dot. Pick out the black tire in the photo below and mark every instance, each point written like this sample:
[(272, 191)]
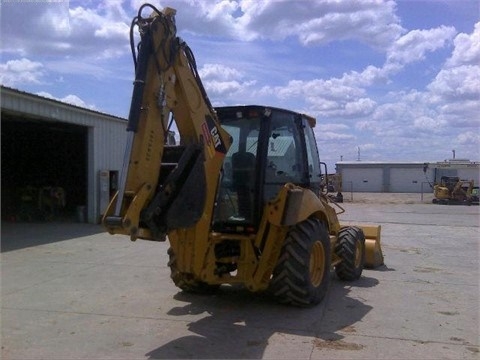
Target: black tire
[(187, 282), (350, 247), (302, 274)]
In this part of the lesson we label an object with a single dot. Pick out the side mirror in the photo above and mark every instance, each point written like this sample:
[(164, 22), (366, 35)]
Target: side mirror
[(325, 177)]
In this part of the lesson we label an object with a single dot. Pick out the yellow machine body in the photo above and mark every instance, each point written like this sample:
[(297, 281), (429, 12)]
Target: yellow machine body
[(180, 193), (453, 190)]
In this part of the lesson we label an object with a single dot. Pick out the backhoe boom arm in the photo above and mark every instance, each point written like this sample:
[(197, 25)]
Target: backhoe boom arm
[(164, 187)]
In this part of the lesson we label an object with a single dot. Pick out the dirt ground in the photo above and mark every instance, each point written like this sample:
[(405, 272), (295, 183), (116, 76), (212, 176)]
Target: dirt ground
[(387, 198)]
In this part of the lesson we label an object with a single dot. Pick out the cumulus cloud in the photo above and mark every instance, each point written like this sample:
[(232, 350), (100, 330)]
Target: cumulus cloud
[(455, 90), (331, 97), (331, 127), (21, 71), (428, 124), (220, 80), (320, 22), (311, 22), (69, 99), (461, 82), (345, 96), (468, 138), (333, 89), (399, 98), (218, 72), (59, 30), (414, 45), (328, 135), (467, 49)]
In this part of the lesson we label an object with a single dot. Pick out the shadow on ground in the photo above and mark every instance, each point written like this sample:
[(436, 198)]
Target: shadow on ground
[(238, 324), (22, 235)]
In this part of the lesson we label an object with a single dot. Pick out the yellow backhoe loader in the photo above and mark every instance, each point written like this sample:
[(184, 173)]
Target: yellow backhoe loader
[(239, 199), (453, 191)]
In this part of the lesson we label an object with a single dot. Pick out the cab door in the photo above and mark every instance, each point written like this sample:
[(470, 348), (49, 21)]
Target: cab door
[(314, 173)]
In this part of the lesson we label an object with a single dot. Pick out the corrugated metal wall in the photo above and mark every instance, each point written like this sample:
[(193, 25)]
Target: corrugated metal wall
[(106, 134), (362, 179), (411, 180), (385, 177), (402, 177)]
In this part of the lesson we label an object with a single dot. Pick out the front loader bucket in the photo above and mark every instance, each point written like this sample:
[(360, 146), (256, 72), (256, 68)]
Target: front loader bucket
[(373, 250)]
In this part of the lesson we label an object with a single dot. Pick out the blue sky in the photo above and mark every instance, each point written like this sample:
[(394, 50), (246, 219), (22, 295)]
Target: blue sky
[(399, 80)]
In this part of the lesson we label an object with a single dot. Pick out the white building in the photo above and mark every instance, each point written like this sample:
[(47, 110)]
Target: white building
[(402, 177), (47, 143)]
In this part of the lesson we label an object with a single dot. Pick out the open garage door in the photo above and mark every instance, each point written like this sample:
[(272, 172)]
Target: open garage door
[(38, 158)]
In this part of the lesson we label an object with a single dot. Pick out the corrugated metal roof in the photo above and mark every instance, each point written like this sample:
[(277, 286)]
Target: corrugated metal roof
[(31, 104)]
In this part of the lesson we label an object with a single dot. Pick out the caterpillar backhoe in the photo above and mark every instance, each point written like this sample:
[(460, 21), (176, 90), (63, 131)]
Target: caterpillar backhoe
[(240, 197), (453, 191)]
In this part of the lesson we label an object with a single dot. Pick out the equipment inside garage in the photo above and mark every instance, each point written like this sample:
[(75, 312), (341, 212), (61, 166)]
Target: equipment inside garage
[(44, 168)]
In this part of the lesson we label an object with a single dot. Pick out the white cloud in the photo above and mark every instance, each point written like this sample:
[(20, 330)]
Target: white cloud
[(462, 82), (455, 90), (223, 81), (21, 71), (55, 20), (314, 22), (367, 146), (360, 107), (331, 127), (69, 99), (414, 45), (428, 124), (99, 32), (469, 138), (57, 30), (303, 55), (218, 72), (329, 136), (467, 49), (222, 87), (112, 31)]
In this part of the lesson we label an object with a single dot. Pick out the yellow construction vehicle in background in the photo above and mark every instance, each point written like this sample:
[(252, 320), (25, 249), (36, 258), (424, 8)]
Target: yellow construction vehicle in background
[(239, 198), (453, 191)]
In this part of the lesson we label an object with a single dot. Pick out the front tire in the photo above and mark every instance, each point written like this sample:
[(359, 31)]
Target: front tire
[(185, 281), (350, 247), (302, 274)]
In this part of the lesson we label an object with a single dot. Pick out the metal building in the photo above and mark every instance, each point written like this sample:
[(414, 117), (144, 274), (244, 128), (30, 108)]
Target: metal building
[(48, 146), (402, 177)]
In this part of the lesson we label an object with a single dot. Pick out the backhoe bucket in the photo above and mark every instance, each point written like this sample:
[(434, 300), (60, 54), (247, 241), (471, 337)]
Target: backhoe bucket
[(373, 250)]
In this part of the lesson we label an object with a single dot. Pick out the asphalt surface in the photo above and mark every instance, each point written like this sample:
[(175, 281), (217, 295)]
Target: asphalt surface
[(71, 291)]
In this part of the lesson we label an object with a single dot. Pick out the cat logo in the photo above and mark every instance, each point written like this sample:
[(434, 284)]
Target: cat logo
[(212, 137)]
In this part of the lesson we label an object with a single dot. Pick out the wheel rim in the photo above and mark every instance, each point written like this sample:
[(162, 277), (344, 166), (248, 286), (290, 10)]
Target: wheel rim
[(317, 262), (358, 254)]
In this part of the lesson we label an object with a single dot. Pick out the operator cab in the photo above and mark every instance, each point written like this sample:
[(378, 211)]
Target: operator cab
[(270, 147)]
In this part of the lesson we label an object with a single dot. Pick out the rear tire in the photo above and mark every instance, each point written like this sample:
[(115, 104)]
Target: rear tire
[(302, 274), (350, 247), (185, 281)]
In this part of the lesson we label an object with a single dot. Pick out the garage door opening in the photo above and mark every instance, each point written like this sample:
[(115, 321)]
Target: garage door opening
[(44, 169)]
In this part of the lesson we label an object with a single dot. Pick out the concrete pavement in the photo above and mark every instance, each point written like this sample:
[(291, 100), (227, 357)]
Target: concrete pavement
[(71, 291)]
